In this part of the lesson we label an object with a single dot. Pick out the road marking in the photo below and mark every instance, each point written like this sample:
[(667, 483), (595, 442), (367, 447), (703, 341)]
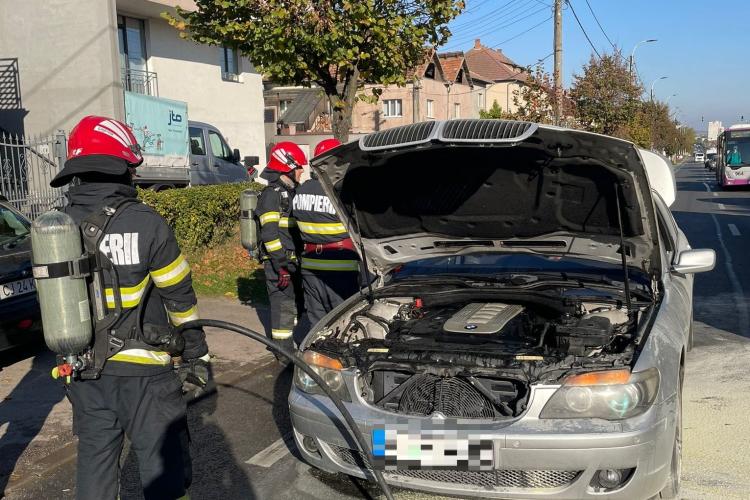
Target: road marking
[(722, 207), (744, 314), (733, 229), (273, 453)]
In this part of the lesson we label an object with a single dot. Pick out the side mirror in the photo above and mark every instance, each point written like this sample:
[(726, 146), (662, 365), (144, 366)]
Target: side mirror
[(251, 161), (236, 156), (695, 261)]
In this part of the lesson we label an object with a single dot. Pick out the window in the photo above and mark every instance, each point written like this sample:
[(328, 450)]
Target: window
[(456, 110), (219, 147), (283, 106), (197, 146), (229, 64), (430, 71), (269, 115), (460, 77), (12, 226), (131, 34), (392, 108), (480, 100), (430, 108)]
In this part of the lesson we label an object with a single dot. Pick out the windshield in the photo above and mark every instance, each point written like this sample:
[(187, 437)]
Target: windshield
[(498, 264), (738, 148), (711, 156), (12, 225)]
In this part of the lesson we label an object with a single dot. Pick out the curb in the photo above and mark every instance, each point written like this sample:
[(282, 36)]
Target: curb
[(67, 453)]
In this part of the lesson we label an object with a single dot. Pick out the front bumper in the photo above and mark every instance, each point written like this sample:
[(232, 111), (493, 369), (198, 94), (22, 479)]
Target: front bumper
[(533, 458)]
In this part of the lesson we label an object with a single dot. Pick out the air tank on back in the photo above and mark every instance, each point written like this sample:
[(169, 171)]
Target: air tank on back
[(64, 302), (248, 229)]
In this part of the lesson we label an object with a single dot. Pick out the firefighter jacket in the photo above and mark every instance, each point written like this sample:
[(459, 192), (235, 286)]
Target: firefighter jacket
[(320, 226), (143, 250), (279, 237)]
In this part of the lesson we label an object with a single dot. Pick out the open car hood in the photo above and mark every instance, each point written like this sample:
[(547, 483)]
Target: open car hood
[(461, 186)]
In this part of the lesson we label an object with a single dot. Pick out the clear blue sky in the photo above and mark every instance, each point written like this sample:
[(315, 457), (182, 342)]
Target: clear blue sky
[(703, 46)]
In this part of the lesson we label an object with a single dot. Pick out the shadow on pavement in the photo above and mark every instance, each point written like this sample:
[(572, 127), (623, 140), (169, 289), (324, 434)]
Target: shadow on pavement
[(24, 411), (216, 472)]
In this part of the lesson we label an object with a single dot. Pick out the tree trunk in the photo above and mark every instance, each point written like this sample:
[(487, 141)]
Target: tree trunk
[(342, 106)]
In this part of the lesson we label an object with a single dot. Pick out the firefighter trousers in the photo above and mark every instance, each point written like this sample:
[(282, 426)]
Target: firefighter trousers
[(151, 411), (284, 303), (324, 290)]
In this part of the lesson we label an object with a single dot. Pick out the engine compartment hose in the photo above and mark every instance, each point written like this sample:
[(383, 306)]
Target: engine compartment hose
[(300, 363)]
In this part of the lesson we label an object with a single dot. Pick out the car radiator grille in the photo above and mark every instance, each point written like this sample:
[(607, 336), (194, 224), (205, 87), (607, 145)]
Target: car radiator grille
[(501, 478)]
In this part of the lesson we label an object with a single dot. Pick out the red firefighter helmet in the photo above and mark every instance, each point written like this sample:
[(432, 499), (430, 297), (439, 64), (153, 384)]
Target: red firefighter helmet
[(326, 145), (97, 135), (285, 157), (99, 145)]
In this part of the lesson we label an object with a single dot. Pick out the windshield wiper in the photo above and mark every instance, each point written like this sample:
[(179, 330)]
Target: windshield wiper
[(13, 239)]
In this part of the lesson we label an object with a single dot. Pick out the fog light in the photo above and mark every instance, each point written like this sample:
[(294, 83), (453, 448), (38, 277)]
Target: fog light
[(310, 445), (609, 478)]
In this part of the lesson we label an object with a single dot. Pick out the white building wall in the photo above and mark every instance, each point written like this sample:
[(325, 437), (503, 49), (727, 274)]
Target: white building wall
[(191, 73), (714, 129)]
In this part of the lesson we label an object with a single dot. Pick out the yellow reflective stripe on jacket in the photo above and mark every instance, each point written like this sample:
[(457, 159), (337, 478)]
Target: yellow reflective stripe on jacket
[(280, 334), (172, 273), (129, 295), (269, 217), (142, 357), (273, 245), (321, 227), (180, 317), (329, 264), (287, 222)]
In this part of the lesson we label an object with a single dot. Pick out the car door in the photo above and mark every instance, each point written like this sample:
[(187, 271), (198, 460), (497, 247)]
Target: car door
[(200, 172), (224, 167)]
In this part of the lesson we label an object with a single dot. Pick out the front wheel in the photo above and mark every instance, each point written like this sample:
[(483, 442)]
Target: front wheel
[(674, 482)]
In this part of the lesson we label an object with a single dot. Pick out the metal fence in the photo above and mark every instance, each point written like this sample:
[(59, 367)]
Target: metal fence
[(140, 82), (27, 165)]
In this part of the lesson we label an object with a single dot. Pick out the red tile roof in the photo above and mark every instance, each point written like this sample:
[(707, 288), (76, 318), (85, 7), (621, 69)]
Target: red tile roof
[(452, 63), (492, 65)]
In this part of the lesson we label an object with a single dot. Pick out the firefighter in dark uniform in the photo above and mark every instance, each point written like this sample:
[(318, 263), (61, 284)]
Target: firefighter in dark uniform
[(279, 238), (330, 265), (139, 393)]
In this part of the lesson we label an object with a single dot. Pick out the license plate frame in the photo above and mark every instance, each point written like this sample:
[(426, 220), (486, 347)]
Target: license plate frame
[(432, 449), (17, 288)]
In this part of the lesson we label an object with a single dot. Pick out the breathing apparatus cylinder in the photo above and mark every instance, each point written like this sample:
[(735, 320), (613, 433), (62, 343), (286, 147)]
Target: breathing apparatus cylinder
[(64, 302), (248, 224)]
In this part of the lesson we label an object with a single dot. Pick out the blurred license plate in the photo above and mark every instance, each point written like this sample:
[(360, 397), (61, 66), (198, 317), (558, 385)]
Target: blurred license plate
[(14, 288), (395, 449)]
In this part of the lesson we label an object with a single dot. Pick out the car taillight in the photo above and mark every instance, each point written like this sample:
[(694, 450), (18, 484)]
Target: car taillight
[(25, 324), (251, 171)]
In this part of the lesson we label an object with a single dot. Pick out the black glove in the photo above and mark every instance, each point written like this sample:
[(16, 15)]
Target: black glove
[(195, 374), (284, 278)]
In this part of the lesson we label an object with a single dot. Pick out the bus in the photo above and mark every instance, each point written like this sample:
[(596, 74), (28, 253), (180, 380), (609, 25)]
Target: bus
[(733, 156)]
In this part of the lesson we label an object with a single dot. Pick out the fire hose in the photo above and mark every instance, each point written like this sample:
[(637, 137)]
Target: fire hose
[(299, 363)]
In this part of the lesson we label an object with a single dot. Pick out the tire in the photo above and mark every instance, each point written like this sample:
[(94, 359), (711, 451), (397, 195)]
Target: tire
[(671, 490)]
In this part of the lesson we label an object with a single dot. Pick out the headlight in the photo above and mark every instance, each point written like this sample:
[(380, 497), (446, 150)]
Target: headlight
[(611, 395), (329, 369)]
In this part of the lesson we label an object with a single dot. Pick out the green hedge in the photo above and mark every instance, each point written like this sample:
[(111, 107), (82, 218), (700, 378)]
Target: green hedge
[(201, 216)]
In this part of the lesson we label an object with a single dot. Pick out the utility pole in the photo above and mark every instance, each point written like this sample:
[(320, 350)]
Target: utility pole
[(557, 74)]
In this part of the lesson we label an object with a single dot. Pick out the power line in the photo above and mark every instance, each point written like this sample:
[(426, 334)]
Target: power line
[(495, 11), (489, 18), (522, 33), (463, 39), (582, 28), (600, 25)]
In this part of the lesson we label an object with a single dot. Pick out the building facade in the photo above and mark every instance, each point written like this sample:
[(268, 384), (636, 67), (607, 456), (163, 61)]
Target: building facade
[(714, 129), (77, 61), (504, 77)]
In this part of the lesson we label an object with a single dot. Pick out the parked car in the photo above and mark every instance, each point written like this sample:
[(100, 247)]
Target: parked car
[(212, 161), (710, 162), (699, 157), (526, 333), (20, 318)]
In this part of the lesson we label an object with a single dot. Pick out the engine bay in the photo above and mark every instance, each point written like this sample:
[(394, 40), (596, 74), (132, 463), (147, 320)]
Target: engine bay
[(475, 356)]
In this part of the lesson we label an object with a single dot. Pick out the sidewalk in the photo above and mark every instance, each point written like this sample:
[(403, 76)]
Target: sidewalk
[(36, 418)]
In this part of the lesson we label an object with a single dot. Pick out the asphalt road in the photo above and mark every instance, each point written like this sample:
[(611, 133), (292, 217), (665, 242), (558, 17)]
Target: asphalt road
[(247, 420)]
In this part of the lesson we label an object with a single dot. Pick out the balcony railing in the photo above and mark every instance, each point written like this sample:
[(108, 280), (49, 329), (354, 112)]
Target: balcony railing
[(140, 82)]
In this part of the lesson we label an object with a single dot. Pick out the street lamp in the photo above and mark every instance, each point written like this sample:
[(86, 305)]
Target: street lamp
[(668, 98), (632, 54), (654, 83)]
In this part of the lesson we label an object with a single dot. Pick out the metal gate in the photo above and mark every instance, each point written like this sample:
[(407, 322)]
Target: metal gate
[(27, 165)]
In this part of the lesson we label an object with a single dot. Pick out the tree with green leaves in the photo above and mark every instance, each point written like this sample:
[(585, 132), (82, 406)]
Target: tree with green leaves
[(535, 99), (606, 96), (494, 113), (336, 44)]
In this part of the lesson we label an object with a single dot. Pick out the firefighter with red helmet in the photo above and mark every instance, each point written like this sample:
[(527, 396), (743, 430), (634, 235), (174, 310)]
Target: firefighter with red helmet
[(330, 265), (132, 389), (279, 238)]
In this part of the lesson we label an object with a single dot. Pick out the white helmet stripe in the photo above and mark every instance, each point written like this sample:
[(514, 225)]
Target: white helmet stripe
[(105, 130), (279, 155), (117, 129), (122, 128)]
